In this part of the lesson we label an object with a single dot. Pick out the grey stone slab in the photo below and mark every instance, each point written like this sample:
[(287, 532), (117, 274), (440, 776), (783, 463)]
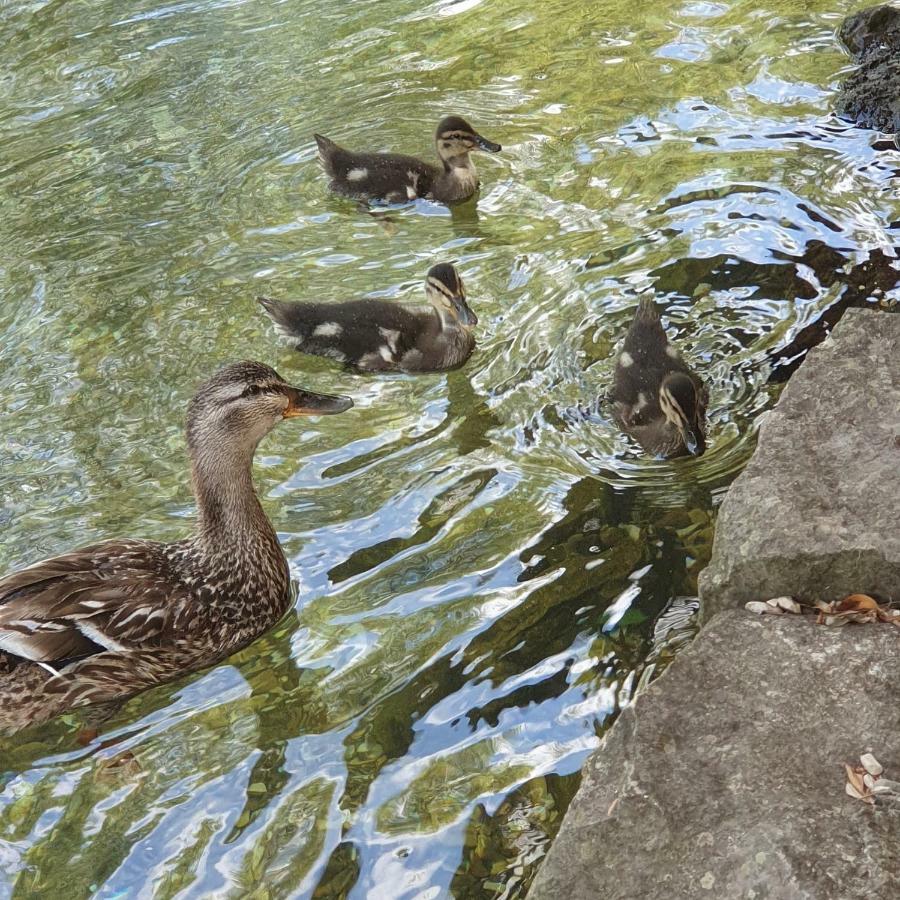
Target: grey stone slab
[(816, 513), (724, 779)]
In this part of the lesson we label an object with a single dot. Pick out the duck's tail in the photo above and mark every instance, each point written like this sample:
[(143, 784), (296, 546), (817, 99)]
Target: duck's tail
[(647, 311), (279, 312), (327, 151)]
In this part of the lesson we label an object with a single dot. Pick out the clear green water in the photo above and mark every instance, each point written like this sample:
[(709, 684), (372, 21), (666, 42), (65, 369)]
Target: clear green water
[(481, 557)]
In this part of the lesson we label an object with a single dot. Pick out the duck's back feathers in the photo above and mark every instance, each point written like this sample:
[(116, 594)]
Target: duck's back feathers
[(645, 359), (374, 176), (645, 362), (118, 595), (374, 335)]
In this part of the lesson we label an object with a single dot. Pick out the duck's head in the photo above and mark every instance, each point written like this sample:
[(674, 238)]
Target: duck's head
[(445, 291), (232, 411), (681, 405), (456, 139)]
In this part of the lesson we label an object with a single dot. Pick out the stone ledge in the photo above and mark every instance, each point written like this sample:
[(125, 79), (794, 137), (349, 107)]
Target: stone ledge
[(724, 778), (816, 513)]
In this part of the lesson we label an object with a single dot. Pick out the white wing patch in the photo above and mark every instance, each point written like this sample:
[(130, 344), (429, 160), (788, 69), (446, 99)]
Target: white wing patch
[(98, 636), (412, 189), (357, 174), (626, 360), (390, 337), (328, 329)]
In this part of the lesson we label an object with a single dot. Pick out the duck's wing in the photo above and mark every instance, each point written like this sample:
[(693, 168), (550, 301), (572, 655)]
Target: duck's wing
[(118, 595)]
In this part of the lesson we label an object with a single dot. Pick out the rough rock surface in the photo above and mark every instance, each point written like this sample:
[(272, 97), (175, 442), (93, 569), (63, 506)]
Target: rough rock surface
[(816, 513), (871, 95), (724, 778)]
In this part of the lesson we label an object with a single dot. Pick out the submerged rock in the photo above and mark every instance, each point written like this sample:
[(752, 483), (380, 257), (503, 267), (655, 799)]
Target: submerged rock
[(871, 95)]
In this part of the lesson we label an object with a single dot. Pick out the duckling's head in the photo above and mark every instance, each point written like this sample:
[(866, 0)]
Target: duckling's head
[(680, 403), (232, 411), (456, 138), (445, 291)]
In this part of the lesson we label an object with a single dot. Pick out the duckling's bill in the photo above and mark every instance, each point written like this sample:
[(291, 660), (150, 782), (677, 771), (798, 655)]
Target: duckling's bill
[(486, 145), (308, 403)]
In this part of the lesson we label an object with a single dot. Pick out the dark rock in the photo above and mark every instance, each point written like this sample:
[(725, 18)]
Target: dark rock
[(869, 29), (725, 779), (870, 97)]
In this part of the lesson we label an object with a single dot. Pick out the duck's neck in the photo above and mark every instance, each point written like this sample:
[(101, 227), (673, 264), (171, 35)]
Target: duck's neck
[(228, 507), (458, 179)]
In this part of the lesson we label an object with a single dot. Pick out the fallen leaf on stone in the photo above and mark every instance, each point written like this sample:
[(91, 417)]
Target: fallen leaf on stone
[(761, 608), (788, 604), (864, 782), (859, 608), (857, 602), (856, 786)]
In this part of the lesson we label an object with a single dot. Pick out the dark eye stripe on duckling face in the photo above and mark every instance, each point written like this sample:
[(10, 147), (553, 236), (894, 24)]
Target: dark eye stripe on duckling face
[(442, 288)]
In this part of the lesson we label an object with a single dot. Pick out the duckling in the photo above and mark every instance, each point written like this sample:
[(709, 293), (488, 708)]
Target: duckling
[(114, 618), (657, 399), (378, 335), (397, 179)]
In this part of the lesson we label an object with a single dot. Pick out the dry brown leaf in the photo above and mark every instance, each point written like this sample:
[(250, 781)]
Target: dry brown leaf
[(855, 779), (761, 608), (857, 602), (788, 604)]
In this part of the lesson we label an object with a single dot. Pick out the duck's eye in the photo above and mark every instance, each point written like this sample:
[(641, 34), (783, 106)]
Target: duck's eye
[(252, 391)]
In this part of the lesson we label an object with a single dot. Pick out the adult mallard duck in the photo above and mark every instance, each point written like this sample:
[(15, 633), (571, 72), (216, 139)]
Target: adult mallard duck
[(109, 620), (656, 398), (378, 335), (397, 179)]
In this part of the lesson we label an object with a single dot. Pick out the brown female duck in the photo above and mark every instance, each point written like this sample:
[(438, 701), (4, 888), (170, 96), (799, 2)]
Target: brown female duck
[(109, 620), (657, 399), (397, 179), (379, 335)]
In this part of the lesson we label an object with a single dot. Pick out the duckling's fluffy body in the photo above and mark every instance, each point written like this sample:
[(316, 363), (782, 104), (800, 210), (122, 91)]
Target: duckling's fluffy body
[(379, 335), (373, 335), (109, 620), (657, 399), (395, 178)]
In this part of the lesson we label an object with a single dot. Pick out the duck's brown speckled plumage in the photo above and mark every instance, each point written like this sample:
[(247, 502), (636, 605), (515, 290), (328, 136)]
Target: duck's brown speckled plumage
[(649, 375), (397, 179), (380, 335), (120, 616)]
